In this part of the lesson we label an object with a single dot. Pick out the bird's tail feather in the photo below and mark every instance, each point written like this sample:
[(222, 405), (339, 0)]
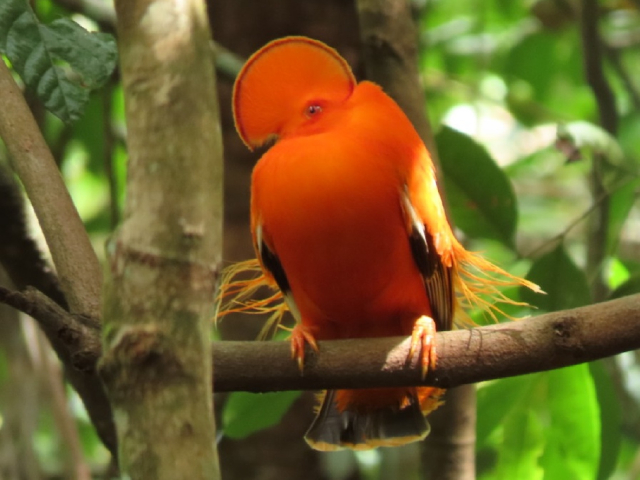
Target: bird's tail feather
[(239, 286), (338, 427), (478, 284)]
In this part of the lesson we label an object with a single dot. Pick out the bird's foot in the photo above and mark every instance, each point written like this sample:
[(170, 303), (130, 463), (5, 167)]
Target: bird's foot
[(423, 340)]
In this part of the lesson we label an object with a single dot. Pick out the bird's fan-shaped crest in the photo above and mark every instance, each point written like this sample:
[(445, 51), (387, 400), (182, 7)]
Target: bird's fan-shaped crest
[(278, 82)]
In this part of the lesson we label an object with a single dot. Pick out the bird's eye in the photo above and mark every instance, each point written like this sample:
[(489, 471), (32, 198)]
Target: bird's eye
[(313, 110)]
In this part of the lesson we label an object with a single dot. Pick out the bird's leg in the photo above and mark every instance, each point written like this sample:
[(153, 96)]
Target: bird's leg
[(423, 340), (300, 336)]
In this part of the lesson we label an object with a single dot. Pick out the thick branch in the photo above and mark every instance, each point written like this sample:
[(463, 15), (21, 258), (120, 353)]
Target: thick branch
[(76, 263), (536, 344), (390, 40)]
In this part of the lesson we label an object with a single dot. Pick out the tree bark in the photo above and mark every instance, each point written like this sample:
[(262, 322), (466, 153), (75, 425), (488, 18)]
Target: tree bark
[(164, 259), (450, 449)]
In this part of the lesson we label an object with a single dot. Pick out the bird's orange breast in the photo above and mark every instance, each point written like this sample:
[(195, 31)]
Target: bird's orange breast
[(331, 210)]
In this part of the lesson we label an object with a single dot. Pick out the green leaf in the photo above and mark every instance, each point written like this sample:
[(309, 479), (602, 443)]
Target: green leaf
[(548, 86), (494, 403), (60, 62), (523, 445), (564, 283), (549, 427), (573, 433), (246, 413), (479, 193)]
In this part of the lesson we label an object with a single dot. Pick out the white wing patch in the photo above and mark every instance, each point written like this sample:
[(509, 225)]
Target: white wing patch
[(413, 215)]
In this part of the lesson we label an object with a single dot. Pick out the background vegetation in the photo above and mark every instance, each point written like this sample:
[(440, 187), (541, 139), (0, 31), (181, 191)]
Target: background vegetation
[(535, 107)]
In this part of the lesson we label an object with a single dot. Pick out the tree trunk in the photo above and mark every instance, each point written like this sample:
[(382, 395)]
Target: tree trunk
[(165, 257)]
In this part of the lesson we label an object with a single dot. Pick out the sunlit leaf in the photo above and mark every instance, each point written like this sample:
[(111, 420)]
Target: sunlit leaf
[(630, 287), (246, 413), (60, 62), (591, 139), (523, 445), (479, 193), (549, 426), (564, 283)]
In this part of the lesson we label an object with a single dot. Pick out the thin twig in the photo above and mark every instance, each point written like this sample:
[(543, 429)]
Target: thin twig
[(599, 225), (559, 236)]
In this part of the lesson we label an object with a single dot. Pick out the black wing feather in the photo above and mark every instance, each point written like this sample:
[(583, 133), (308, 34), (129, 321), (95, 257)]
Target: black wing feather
[(272, 263), (437, 277)]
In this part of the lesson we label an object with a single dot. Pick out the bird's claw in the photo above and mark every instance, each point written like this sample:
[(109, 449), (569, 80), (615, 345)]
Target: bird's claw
[(300, 337), (423, 340)]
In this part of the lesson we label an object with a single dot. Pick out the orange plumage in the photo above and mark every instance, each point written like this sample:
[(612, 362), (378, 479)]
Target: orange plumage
[(348, 223)]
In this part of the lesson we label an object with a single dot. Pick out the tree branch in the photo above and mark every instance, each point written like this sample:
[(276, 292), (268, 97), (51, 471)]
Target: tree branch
[(549, 341), (545, 342), (19, 254), (76, 263), (592, 47)]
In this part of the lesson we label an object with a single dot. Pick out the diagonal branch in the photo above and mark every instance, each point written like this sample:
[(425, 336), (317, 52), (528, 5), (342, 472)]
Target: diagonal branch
[(79, 271)]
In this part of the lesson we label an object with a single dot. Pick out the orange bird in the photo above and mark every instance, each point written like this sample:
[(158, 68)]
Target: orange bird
[(348, 225)]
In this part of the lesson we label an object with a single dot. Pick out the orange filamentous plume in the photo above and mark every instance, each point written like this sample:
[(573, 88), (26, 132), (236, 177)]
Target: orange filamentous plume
[(349, 232)]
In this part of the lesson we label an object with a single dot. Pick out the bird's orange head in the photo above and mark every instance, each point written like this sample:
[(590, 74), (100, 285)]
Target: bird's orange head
[(288, 86)]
